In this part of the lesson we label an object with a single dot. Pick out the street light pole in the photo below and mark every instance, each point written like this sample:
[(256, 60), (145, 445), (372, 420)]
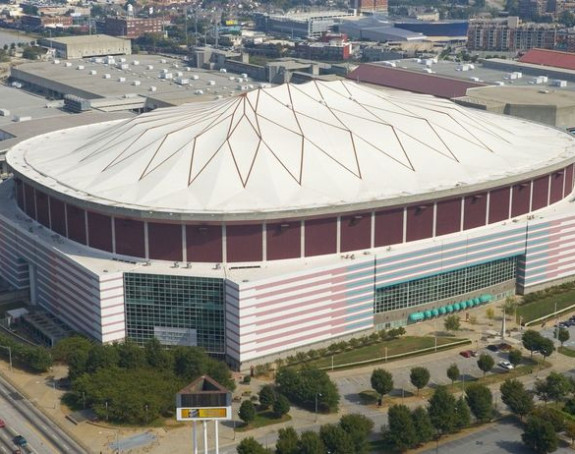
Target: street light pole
[(316, 396)]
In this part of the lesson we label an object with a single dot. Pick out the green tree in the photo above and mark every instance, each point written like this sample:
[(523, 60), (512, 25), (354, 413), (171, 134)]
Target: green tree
[(77, 364), (531, 340), (463, 413), (453, 373), (401, 430), (552, 415), (281, 406), (442, 410), (540, 436), (131, 355), (515, 356), (102, 356), (452, 323), (563, 335), (267, 396), (546, 347), (336, 440), (358, 427), (555, 387), (480, 401), (157, 355), (419, 377), (570, 430), (311, 443), (70, 346), (247, 411), (38, 359), (307, 384), (288, 441), (485, 363), (516, 397), (381, 381), (423, 427), (250, 446)]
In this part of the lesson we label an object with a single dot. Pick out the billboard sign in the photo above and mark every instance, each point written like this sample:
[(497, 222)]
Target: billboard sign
[(204, 414)]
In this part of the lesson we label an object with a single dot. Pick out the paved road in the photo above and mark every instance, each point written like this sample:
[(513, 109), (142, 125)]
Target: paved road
[(25, 419)]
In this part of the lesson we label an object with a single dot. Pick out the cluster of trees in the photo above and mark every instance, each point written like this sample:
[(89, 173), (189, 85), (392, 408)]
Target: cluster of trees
[(550, 291), (349, 436), (35, 358), (307, 387), (535, 342), (108, 378), (268, 399), (341, 346), (445, 414)]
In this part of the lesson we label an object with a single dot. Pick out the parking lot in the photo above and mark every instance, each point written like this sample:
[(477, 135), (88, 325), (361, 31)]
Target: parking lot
[(549, 332)]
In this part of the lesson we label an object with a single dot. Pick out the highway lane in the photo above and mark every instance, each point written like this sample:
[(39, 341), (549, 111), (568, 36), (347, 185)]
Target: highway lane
[(44, 436)]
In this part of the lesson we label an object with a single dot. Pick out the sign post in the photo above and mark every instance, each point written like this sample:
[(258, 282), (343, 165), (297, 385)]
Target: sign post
[(204, 400)]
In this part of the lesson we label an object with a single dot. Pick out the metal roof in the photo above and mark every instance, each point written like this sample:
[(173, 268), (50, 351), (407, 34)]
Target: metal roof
[(288, 148)]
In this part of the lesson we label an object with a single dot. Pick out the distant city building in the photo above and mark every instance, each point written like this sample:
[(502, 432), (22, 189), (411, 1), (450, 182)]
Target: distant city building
[(453, 30), (366, 6), (334, 50), (129, 27), (36, 22), (378, 29), (510, 34), (301, 25), (70, 47)]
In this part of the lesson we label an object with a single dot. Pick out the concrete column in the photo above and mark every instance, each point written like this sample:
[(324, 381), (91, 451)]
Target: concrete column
[(205, 424)]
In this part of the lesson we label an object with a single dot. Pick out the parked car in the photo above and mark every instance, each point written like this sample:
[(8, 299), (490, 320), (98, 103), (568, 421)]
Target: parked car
[(19, 440), (504, 347), (506, 365), (492, 348), (466, 353), (2, 423)]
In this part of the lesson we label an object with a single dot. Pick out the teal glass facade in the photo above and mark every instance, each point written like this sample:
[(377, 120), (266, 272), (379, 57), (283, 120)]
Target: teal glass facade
[(445, 285), (176, 309)]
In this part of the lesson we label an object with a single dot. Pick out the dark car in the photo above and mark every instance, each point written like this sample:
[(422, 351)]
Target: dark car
[(493, 348), (504, 347), (466, 353), (19, 440)]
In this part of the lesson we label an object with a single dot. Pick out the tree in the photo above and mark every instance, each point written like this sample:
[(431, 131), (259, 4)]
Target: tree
[(131, 355), (307, 384), (422, 424), (250, 446), (401, 430), (419, 377), (485, 363), (69, 346), (452, 323), (555, 387), (311, 443), (247, 411), (563, 335), (267, 396), (570, 430), (516, 397), (288, 441), (358, 427), (540, 436), (281, 406), (490, 313), (453, 373), (546, 347), (381, 381), (552, 415), (463, 413), (531, 340), (442, 410), (336, 440), (102, 356), (480, 401), (515, 356)]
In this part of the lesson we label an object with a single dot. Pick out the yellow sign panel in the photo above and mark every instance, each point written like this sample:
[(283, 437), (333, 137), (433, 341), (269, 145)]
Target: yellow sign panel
[(211, 412), (203, 413)]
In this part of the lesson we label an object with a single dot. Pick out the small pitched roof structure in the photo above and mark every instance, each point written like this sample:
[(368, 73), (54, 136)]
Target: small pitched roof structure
[(203, 385), (553, 58)]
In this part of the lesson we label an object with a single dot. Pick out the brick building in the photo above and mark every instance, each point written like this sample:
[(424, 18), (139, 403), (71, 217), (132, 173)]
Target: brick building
[(129, 27)]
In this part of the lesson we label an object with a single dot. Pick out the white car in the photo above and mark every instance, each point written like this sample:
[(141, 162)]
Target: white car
[(506, 365)]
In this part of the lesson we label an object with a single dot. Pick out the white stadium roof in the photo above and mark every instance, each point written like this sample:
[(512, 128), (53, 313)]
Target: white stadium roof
[(288, 148)]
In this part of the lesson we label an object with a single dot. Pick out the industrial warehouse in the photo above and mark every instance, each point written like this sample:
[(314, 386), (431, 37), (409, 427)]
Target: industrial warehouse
[(263, 223)]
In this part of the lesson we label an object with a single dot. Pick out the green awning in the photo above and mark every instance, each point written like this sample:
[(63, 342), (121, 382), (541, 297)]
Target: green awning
[(416, 316), (428, 314), (449, 308), (435, 312), (442, 310), (457, 307)]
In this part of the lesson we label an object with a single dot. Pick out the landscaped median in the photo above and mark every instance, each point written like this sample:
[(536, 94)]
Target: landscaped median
[(388, 351)]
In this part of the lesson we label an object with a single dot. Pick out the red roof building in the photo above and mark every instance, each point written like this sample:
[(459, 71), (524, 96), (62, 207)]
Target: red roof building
[(431, 84), (553, 58)]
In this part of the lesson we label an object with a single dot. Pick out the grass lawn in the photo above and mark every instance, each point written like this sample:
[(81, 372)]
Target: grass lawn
[(265, 418), (566, 351), (397, 346), (545, 306)]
